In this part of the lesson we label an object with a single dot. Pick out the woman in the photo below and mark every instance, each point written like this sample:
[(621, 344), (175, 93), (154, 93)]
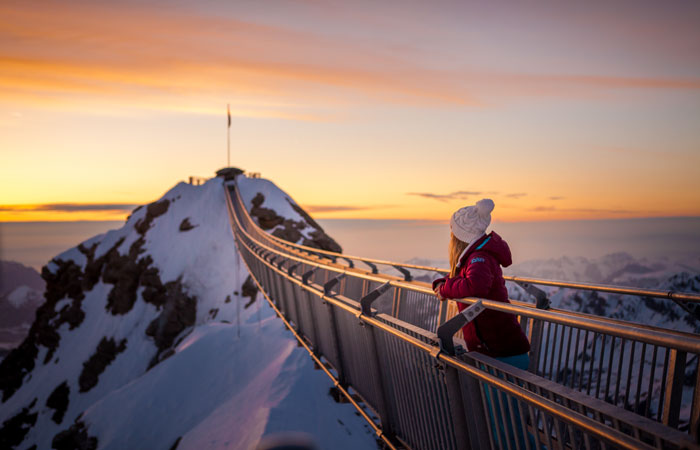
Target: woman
[(475, 271)]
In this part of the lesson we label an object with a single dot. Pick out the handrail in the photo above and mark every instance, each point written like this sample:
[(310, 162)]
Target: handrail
[(652, 335), (673, 295)]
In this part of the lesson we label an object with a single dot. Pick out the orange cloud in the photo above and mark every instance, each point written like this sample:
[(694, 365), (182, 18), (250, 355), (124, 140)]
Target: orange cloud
[(142, 52), (170, 59)]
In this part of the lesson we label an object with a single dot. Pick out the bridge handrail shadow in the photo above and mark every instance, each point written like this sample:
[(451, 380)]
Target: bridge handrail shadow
[(402, 308)]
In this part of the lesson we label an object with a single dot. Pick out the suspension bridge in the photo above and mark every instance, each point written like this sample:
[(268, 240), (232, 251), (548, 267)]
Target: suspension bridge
[(386, 342)]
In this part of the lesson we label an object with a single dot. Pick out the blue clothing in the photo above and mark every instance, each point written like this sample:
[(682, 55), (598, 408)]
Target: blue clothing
[(503, 426), (520, 361)]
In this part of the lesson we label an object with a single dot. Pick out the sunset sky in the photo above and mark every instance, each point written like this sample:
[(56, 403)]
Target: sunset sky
[(391, 109)]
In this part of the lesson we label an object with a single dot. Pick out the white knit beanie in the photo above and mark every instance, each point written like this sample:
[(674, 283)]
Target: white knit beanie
[(469, 223)]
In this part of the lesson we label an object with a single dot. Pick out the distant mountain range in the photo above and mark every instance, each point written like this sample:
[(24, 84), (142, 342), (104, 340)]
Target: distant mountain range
[(21, 293), (618, 269)]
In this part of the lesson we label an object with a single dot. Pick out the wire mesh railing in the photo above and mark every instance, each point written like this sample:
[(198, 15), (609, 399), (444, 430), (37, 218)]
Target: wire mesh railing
[(392, 358)]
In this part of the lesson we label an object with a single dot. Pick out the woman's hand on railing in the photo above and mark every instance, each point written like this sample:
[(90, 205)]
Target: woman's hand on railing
[(436, 289)]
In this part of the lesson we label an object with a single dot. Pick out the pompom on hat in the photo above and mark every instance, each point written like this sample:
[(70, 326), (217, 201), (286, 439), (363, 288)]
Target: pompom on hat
[(469, 223)]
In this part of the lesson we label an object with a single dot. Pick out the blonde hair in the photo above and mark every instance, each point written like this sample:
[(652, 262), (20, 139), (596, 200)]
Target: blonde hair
[(455, 250)]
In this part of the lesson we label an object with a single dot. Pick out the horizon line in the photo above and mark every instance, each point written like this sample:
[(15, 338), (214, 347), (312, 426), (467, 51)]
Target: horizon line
[(601, 219)]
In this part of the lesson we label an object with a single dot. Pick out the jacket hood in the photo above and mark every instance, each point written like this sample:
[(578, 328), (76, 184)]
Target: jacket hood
[(495, 245)]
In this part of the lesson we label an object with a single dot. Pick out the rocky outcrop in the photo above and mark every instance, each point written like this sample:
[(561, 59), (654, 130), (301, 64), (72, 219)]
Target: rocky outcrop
[(176, 443), (179, 311), (319, 239), (106, 352), (291, 230), (250, 290), (303, 214), (58, 401), (19, 362), (16, 428), (124, 272), (267, 218), (185, 225), (153, 210), (74, 438)]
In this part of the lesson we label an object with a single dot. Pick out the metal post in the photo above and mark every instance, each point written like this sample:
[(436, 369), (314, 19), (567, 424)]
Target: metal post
[(383, 407), (674, 388), (228, 136), (459, 417), (454, 389), (476, 416), (695, 411), (333, 324), (535, 344)]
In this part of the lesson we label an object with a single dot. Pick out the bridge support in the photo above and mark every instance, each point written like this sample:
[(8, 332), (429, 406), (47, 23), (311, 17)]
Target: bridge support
[(471, 430), (674, 388)]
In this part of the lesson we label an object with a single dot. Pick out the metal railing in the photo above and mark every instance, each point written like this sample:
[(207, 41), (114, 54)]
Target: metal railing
[(374, 264), (420, 393)]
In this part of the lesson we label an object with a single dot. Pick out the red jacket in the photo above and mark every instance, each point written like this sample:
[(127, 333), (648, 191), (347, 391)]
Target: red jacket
[(493, 333)]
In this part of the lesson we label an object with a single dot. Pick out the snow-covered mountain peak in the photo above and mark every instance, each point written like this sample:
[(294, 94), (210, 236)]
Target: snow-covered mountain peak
[(112, 334)]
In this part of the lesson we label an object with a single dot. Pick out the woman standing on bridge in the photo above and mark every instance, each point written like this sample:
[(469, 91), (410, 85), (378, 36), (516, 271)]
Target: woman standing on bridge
[(475, 271)]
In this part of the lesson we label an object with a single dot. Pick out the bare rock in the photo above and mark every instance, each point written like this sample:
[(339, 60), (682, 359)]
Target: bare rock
[(106, 352), (290, 231), (185, 225), (266, 217), (124, 272), (258, 200), (133, 212), (321, 240), (16, 428), (176, 443), (179, 311), (304, 214), (18, 363), (74, 438), (153, 210), (249, 289), (58, 401)]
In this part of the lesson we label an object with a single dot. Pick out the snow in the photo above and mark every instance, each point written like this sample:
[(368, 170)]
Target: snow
[(225, 386), (235, 390), (20, 295)]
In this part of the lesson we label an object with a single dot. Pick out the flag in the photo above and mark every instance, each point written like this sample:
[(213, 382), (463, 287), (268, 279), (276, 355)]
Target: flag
[(228, 112)]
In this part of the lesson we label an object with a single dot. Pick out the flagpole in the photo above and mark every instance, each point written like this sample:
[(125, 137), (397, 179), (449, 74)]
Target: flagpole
[(228, 137)]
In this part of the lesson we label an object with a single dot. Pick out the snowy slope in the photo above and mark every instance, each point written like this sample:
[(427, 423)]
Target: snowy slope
[(145, 338)]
